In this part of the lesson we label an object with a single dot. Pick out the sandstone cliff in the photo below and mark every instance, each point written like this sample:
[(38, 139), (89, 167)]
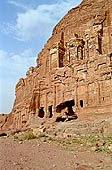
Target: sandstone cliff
[(74, 69)]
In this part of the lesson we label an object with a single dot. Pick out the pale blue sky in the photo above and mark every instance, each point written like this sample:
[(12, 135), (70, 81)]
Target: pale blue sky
[(25, 26)]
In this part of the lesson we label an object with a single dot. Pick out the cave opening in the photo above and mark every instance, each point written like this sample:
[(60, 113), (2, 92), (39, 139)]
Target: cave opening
[(41, 112), (81, 103), (60, 119), (3, 134), (67, 104), (50, 111), (66, 111), (103, 98)]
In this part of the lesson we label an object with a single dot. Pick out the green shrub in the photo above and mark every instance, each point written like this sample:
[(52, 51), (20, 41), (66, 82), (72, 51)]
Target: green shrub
[(25, 136), (41, 135)]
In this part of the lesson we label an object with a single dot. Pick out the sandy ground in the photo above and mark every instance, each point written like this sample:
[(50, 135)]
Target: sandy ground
[(39, 155)]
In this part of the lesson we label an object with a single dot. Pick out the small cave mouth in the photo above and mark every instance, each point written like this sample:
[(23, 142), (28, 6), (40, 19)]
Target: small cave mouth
[(66, 111), (66, 104), (60, 119), (3, 134), (41, 112), (50, 111), (103, 98), (81, 103)]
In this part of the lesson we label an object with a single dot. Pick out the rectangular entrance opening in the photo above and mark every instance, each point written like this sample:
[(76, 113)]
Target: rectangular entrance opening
[(81, 103), (41, 112), (50, 112)]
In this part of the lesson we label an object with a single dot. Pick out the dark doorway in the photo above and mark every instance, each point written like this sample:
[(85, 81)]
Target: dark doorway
[(65, 104), (50, 112), (60, 119), (3, 134), (41, 112), (103, 98), (67, 111), (81, 103)]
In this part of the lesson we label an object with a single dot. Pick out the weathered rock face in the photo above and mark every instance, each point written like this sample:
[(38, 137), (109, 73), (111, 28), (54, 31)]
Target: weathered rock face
[(74, 69), (3, 120)]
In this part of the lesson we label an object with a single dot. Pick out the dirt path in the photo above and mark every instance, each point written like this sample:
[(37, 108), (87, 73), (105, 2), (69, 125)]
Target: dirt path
[(38, 155)]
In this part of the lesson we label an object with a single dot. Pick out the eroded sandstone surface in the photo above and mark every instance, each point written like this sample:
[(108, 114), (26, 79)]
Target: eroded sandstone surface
[(73, 76)]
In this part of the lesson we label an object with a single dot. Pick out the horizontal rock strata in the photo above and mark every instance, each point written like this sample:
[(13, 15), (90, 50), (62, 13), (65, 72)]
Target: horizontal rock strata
[(73, 75)]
